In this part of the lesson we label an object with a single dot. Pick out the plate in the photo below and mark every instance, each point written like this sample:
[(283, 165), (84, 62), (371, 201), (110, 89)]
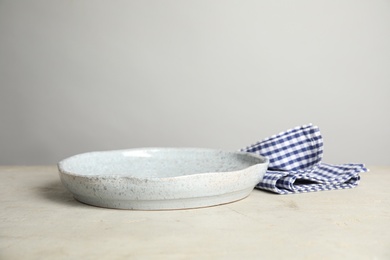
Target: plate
[(161, 178)]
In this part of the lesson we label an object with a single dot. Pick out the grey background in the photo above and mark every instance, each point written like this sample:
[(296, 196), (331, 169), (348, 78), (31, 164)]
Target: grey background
[(78, 76)]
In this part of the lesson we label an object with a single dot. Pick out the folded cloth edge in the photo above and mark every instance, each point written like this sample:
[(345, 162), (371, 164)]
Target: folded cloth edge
[(315, 176)]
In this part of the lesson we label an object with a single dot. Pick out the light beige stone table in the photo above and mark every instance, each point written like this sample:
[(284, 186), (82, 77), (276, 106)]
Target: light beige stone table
[(39, 219)]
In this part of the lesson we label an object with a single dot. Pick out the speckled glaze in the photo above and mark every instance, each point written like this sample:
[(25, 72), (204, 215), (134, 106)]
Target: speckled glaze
[(161, 178)]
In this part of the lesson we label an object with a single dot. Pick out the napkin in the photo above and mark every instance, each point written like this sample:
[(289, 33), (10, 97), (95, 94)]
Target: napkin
[(295, 163)]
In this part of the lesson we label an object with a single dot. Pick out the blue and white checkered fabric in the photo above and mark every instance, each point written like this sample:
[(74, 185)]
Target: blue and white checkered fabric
[(295, 163)]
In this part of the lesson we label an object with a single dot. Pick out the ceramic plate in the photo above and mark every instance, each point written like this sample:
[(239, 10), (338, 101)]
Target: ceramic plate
[(161, 178)]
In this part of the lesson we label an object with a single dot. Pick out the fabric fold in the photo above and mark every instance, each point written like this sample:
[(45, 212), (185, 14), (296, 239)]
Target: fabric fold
[(295, 163)]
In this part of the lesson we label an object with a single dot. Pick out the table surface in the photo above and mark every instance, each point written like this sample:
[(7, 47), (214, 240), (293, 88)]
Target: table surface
[(40, 219)]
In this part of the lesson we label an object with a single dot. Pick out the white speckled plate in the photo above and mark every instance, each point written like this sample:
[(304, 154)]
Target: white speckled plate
[(161, 178)]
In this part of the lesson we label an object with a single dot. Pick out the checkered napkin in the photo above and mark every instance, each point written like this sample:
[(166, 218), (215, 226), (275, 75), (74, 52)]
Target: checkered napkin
[(295, 163)]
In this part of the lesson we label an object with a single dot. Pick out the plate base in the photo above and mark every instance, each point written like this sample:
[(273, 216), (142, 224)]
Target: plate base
[(172, 204)]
